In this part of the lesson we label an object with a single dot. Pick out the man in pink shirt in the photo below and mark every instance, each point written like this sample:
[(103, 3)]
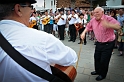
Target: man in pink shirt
[(103, 27)]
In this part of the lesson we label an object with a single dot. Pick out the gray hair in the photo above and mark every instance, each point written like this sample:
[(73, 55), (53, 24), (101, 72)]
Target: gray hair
[(6, 10), (100, 8)]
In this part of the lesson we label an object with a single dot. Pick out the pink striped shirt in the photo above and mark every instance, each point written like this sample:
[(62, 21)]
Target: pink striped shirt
[(102, 34)]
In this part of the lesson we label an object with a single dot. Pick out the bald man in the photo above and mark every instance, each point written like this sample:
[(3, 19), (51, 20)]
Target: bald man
[(103, 27)]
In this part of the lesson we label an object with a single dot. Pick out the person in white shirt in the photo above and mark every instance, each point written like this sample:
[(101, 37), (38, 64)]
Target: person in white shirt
[(85, 14), (61, 23), (81, 26), (67, 24), (72, 18), (55, 26), (40, 22), (39, 47), (33, 21)]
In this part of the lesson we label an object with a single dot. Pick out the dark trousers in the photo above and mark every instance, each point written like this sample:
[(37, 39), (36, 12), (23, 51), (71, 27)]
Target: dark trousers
[(47, 28), (80, 31), (121, 46), (35, 27), (103, 52), (61, 30), (72, 30), (51, 28)]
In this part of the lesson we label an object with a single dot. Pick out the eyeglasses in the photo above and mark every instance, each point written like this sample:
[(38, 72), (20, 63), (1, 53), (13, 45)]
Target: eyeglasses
[(31, 6), (25, 5)]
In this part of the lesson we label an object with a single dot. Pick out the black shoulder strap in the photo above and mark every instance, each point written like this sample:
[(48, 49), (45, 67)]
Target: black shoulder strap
[(83, 21), (25, 63)]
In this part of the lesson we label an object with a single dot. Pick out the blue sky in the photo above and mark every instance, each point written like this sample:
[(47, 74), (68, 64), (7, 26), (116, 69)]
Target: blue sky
[(40, 3)]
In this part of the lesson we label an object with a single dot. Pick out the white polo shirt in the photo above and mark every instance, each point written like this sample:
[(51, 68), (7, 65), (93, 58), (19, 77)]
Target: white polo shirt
[(39, 47), (32, 19), (72, 21), (61, 22)]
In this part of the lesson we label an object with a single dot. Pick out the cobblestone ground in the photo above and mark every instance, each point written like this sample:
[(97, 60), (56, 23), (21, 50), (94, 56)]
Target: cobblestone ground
[(86, 63)]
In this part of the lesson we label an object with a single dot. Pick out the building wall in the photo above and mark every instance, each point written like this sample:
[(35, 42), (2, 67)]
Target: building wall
[(50, 4)]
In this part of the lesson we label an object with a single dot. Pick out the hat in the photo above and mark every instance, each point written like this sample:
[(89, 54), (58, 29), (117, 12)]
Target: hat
[(81, 14), (61, 10), (17, 1), (73, 10)]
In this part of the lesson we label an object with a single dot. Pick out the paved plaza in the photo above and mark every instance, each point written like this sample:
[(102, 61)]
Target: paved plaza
[(86, 63)]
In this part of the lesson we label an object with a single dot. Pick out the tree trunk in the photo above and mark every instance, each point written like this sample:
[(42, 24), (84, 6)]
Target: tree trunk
[(73, 3)]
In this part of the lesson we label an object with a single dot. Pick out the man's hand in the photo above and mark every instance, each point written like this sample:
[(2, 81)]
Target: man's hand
[(121, 34), (69, 19), (105, 24), (82, 36), (76, 26)]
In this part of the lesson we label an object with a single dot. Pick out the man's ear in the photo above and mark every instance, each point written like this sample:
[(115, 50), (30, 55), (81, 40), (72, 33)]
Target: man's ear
[(17, 10)]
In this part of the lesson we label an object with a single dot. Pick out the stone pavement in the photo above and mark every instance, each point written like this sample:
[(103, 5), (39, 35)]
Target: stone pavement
[(86, 63)]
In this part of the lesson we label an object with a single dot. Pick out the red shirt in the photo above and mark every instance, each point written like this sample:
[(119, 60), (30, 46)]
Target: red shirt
[(102, 34)]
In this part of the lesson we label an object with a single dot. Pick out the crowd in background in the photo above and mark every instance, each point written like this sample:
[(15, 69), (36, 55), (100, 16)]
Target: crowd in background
[(70, 30)]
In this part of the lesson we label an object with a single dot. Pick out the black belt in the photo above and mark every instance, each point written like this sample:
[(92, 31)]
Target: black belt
[(102, 43)]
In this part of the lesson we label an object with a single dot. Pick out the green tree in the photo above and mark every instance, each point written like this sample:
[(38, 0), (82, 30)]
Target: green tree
[(99, 2)]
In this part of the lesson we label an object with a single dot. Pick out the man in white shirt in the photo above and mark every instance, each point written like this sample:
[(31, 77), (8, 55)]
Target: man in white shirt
[(61, 23), (72, 18), (33, 21), (81, 27), (39, 47)]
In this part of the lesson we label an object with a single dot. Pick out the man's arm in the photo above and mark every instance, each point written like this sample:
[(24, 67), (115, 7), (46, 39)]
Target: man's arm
[(88, 28), (111, 23), (114, 26), (58, 53), (83, 34)]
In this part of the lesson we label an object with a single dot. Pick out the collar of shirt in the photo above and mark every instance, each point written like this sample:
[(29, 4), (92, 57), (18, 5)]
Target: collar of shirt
[(121, 16)]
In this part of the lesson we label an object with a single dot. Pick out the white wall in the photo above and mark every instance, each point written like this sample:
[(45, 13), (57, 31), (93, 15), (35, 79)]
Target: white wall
[(49, 4), (113, 2)]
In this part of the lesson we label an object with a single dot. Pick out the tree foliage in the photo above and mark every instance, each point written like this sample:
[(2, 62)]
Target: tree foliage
[(99, 2)]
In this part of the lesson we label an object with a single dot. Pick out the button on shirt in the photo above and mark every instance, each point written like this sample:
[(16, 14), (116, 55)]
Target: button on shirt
[(61, 22), (83, 21), (102, 34), (39, 47), (72, 21)]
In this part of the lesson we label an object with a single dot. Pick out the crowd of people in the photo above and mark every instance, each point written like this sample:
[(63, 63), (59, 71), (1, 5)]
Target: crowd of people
[(103, 27), (67, 23), (17, 18), (70, 23)]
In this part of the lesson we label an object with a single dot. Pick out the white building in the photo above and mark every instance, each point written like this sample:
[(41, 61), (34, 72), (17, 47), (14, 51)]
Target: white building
[(113, 2), (50, 4)]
